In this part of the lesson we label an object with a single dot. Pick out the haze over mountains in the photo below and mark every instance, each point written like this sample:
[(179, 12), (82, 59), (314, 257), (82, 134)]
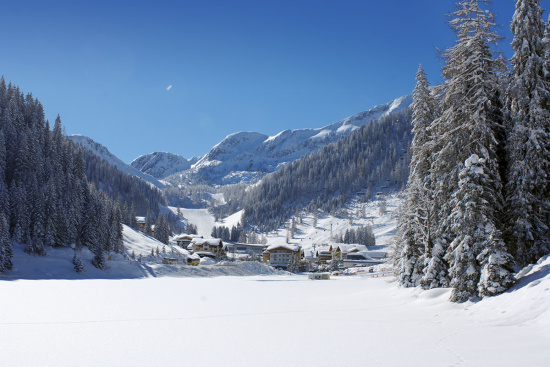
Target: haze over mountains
[(242, 157)]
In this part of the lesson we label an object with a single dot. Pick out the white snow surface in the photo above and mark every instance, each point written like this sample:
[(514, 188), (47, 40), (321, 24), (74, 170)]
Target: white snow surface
[(205, 221), (270, 321), (199, 217), (150, 314)]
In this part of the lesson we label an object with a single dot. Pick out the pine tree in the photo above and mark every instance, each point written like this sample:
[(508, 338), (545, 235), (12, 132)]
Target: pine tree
[(44, 194), (99, 259), (148, 224), (133, 216), (117, 230), (414, 240), (6, 252), (2, 157), (466, 156), (78, 264), (478, 247), (50, 228), (528, 187)]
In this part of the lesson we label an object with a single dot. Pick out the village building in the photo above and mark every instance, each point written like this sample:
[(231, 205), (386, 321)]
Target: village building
[(282, 255), (215, 246), (309, 258), (141, 222), (324, 254), (183, 240), (245, 250), (341, 250), (170, 261)]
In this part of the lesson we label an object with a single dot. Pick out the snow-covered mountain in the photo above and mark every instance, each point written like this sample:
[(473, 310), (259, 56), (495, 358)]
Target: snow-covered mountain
[(110, 158), (162, 164), (245, 156)]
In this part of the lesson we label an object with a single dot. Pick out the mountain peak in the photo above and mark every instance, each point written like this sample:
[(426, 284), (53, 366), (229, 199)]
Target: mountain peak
[(162, 164), (104, 153), (245, 156)]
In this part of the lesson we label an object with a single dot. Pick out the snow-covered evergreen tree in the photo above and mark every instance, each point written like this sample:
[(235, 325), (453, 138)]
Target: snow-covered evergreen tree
[(6, 253), (478, 246), (44, 194), (467, 159), (528, 184), (99, 259), (78, 264), (414, 234), (164, 234)]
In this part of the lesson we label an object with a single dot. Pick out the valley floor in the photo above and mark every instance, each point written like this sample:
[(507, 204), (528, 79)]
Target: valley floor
[(269, 321)]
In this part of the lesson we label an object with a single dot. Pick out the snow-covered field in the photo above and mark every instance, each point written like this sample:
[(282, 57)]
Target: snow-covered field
[(150, 314), (269, 321)]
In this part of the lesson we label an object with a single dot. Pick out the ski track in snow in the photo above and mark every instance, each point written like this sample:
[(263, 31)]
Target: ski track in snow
[(201, 218)]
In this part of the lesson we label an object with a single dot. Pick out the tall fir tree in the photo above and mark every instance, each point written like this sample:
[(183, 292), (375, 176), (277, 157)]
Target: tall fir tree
[(414, 232), (528, 184), (470, 126), (6, 252)]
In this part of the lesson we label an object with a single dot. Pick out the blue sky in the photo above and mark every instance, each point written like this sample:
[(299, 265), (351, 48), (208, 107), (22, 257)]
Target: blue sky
[(239, 65)]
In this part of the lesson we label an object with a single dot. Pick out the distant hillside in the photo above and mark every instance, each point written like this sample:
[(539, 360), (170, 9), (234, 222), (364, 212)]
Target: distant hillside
[(104, 153), (162, 164), (245, 156), (374, 157)]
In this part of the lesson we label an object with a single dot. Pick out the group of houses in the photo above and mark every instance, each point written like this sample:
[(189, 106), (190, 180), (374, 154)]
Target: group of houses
[(277, 255)]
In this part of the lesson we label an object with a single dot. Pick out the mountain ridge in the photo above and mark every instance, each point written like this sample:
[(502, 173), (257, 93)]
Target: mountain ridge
[(162, 164), (102, 151), (241, 157), (245, 156)]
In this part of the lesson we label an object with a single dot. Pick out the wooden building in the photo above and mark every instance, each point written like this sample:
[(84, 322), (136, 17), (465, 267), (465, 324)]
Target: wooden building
[(282, 255)]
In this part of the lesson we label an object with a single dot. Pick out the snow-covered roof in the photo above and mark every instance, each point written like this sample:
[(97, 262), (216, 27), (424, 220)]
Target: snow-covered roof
[(140, 219), (351, 248), (287, 246), (249, 245), (209, 241), (183, 236)]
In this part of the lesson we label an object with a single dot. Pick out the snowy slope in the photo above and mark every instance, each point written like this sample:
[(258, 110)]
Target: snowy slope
[(104, 153), (162, 164), (307, 236), (138, 243), (383, 226), (136, 262), (205, 221), (245, 156)]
